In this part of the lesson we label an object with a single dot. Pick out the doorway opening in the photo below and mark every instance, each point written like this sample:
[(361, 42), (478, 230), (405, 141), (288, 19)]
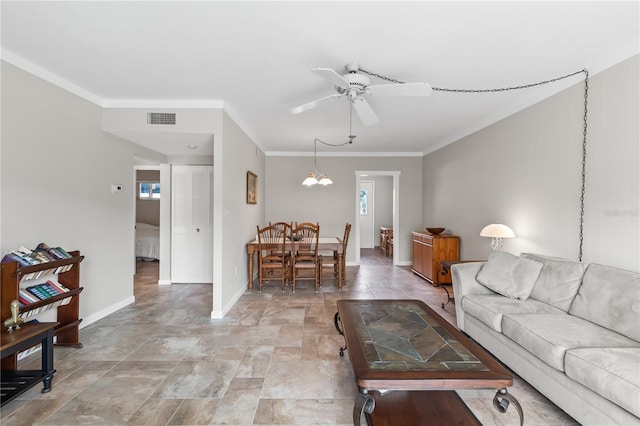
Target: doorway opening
[(392, 199), (147, 197)]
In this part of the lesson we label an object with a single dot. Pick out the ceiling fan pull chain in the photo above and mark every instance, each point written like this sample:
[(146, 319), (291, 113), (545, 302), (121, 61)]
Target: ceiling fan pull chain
[(505, 89), (584, 160), (373, 74)]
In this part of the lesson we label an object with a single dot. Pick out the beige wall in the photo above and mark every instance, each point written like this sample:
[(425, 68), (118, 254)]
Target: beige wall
[(57, 170), (525, 171), (235, 219)]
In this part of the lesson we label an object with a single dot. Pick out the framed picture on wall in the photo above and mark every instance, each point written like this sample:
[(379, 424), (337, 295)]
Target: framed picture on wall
[(252, 188)]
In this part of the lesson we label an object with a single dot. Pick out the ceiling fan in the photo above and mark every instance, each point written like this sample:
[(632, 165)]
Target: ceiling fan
[(355, 84)]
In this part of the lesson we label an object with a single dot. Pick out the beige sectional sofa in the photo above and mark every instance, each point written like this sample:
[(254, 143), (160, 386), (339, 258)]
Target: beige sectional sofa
[(570, 329)]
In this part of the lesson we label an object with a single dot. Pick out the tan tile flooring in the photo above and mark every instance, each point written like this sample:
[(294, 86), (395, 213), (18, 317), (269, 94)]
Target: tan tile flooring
[(273, 360)]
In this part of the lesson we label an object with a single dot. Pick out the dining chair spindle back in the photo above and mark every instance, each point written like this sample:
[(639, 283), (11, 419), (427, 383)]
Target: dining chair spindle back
[(304, 252), (272, 255)]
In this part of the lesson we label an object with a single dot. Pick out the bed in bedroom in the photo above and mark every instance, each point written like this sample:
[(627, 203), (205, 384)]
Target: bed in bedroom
[(147, 242)]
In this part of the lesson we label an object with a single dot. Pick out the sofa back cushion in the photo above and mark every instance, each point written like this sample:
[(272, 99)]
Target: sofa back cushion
[(558, 282), (509, 275), (610, 297)]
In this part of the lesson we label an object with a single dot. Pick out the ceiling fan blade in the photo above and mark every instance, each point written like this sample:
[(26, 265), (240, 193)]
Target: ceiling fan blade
[(312, 104), (364, 111), (406, 89), (332, 77)]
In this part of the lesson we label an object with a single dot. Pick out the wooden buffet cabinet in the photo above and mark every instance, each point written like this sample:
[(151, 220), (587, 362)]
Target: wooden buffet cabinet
[(429, 250)]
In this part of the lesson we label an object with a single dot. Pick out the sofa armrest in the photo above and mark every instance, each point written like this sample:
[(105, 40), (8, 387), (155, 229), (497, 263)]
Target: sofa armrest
[(463, 278)]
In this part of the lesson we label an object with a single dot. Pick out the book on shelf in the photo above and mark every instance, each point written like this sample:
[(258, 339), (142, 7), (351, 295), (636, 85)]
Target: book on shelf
[(58, 286), (26, 297), (47, 255), (43, 291), (63, 252), (46, 290), (13, 257), (57, 253), (42, 254)]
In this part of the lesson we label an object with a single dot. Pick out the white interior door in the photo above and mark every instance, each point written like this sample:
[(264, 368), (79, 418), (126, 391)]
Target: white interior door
[(367, 207), (191, 224)]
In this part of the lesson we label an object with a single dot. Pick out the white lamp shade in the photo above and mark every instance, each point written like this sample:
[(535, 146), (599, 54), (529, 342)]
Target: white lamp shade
[(497, 230), (325, 180), (310, 180)]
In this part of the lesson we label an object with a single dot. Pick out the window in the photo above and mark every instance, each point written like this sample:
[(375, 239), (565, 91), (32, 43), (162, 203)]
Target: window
[(364, 206), (149, 190)]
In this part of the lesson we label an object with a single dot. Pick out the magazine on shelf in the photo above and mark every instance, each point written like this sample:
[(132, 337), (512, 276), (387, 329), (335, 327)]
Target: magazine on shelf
[(13, 257), (42, 254), (25, 297), (58, 286)]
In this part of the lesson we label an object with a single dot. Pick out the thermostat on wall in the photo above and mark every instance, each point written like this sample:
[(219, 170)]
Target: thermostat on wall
[(116, 187)]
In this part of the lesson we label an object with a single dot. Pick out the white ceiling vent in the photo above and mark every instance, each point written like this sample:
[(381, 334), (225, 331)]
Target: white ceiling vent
[(162, 118)]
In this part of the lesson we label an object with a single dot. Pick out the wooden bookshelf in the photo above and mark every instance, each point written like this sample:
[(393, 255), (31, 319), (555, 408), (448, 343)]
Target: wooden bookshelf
[(67, 316)]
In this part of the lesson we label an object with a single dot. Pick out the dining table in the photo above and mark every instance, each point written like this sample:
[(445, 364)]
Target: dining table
[(324, 243)]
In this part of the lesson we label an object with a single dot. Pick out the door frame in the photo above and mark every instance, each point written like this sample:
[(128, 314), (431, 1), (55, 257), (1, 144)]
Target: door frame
[(397, 236)]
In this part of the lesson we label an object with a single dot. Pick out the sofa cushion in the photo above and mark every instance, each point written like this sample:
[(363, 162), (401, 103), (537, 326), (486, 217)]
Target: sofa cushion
[(610, 297), (490, 308), (558, 282), (509, 275), (613, 373), (549, 336)]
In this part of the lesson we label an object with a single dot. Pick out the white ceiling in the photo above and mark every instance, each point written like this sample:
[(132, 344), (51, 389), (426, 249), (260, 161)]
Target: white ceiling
[(256, 57)]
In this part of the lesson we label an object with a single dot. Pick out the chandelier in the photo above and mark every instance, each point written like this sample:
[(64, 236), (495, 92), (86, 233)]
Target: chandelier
[(314, 177)]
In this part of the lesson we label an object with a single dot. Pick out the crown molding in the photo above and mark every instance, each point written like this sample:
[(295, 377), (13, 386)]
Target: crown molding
[(163, 103), (28, 66), (342, 154)]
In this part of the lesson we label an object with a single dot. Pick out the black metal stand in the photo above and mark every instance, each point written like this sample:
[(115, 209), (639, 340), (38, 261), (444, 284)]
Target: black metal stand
[(443, 271), (16, 382), (501, 402), (337, 322)]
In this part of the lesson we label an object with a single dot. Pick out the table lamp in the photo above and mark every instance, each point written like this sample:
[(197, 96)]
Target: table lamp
[(497, 232)]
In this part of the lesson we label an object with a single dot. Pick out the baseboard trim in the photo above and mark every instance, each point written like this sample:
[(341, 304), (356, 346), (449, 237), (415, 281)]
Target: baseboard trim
[(227, 308), (106, 311)]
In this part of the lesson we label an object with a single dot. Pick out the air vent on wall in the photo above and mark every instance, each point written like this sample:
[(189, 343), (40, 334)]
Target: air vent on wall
[(163, 118)]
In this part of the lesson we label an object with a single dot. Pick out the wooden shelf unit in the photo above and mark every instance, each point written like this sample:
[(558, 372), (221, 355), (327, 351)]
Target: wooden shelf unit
[(67, 316), (429, 250)]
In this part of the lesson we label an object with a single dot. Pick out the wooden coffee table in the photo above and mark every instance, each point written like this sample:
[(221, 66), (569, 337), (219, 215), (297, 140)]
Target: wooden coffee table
[(408, 361)]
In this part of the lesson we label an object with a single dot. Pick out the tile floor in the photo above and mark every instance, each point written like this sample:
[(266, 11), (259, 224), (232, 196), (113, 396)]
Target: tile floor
[(273, 360)]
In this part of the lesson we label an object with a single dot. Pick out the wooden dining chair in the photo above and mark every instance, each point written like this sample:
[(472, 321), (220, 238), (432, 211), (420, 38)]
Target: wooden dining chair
[(304, 252), (332, 259), (283, 228), (272, 256)]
